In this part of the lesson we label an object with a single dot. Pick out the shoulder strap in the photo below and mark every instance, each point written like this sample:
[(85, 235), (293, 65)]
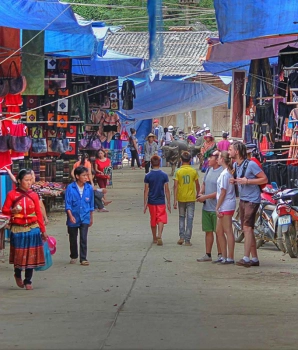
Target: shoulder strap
[(245, 165)]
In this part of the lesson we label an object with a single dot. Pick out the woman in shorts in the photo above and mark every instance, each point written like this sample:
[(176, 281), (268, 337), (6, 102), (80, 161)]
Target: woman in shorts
[(226, 205)]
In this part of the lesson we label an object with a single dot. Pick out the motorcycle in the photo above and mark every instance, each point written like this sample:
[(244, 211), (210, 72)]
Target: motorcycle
[(288, 221), (266, 220)]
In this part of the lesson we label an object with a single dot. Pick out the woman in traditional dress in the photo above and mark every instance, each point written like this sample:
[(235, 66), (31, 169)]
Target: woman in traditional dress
[(27, 229), (208, 147)]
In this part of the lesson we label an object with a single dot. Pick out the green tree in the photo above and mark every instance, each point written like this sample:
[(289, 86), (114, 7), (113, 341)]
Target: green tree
[(132, 14)]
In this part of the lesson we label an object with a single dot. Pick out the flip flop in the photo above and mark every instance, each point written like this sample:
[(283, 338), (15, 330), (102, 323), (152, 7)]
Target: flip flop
[(85, 263)]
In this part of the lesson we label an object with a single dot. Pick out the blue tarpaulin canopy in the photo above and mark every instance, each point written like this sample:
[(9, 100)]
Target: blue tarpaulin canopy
[(111, 64), (65, 35), (38, 15), (248, 19), (165, 97)]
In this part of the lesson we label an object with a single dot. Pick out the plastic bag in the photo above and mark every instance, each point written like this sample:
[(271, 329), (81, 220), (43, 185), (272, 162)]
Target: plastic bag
[(47, 256)]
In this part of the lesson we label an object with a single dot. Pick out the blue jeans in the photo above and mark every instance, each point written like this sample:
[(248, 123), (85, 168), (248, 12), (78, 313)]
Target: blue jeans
[(186, 209), (73, 241)]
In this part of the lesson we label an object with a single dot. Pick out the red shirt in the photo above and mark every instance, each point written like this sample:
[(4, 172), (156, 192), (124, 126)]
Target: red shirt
[(30, 212), (101, 165)]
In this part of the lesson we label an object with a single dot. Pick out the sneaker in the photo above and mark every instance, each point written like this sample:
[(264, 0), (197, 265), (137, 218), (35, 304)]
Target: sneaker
[(204, 258), (181, 241), (188, 244), (226, 262), (243, 263), (254, 263), (218, 260)]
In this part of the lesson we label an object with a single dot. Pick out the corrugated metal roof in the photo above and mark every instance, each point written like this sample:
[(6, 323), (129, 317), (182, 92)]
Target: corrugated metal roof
[(182, 51)]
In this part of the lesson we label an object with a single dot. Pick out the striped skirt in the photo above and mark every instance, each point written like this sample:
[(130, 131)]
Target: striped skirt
[(26, 249)]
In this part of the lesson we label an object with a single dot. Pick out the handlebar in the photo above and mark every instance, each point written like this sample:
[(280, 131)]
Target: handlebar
[(286, 194)]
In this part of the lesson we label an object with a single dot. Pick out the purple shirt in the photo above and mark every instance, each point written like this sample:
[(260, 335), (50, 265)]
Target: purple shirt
[(223, 145)]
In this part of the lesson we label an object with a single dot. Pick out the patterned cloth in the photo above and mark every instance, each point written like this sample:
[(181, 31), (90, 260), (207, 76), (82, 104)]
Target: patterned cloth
[(26, 249)]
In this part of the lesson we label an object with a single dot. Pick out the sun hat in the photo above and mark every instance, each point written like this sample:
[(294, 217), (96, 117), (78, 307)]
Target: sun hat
[(208, 135), (155, 121), (150, 135)]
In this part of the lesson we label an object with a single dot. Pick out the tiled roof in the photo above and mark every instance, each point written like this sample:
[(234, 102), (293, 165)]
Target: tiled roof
[(181, 50)]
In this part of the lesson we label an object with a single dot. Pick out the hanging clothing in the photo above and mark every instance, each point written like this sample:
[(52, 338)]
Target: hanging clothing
[(286, 60), (128, 93)]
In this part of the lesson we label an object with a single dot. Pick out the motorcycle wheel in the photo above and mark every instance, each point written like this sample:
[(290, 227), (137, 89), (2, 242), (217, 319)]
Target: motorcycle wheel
[(291, 241), (259, 243), (238, 234), (259, 240)]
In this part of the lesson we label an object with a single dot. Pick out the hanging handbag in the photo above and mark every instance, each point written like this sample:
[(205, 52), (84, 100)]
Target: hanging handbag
[(20, 144), (94, 143), (4, 143), (17, 84), (39, 144), (124, 136), (4, 86), (84, 142)]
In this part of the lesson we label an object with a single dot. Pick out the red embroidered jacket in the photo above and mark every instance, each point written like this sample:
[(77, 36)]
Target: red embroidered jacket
[(30, 213)]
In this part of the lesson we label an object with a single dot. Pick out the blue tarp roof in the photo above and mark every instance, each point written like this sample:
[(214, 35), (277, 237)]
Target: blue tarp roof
[(65, 35), (110, 64), (247, 19), (165, 97), (38, 15)]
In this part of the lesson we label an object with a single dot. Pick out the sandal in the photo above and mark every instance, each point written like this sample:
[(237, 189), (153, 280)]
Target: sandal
[(159, 241), (85, 263), (28, 286), (73, 261)]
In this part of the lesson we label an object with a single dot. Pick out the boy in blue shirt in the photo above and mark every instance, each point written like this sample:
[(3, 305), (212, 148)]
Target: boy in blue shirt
[(155, 190), (79, 207)]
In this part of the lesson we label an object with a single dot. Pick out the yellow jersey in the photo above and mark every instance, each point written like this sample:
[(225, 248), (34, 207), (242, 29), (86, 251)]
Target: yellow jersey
[(186, 177)]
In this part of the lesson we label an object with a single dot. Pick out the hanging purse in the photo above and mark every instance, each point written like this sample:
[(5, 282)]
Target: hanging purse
[(4, 86), (39, 144), (17, 84), (94, 143), (4, 143), (20, 144), (84, 142)]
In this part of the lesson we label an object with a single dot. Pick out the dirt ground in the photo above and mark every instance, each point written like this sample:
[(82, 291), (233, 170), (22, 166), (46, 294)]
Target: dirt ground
[(135, 295)]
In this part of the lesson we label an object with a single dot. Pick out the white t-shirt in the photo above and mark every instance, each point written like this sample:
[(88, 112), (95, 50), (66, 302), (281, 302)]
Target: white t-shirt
[(81, 190), (223, 181)]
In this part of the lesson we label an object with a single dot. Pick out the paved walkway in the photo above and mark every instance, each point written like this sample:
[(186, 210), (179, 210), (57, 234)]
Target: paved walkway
[(135, 295)]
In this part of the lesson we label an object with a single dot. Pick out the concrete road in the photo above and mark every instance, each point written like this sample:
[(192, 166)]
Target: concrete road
[(135, 295)]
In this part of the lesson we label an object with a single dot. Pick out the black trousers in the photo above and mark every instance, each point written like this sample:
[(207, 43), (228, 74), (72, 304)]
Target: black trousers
[(73, 241), (28, 275), (147, 166), (134, 157)]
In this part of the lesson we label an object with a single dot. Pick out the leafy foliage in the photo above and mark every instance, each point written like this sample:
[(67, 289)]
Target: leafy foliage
[(132, 14)]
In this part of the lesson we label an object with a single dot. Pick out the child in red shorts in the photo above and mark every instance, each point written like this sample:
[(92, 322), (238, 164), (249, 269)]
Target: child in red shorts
[(155, 190)]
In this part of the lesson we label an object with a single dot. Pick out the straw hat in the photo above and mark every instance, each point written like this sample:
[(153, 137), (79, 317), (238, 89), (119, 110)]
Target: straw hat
[(209, 135), (150, 135)]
